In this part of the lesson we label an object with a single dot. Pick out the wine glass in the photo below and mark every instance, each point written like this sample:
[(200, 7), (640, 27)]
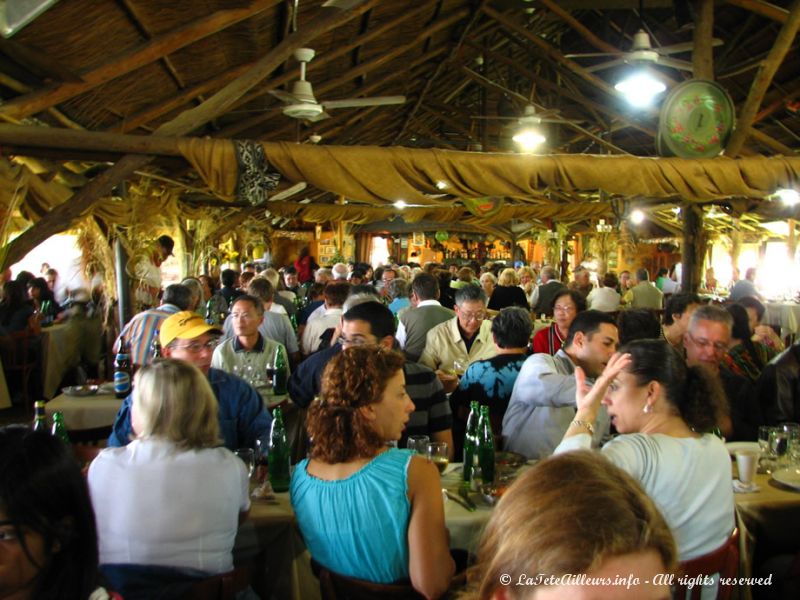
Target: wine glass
[(779, 443), (418, 443), (459, 368), (438, 455), (248, 457)]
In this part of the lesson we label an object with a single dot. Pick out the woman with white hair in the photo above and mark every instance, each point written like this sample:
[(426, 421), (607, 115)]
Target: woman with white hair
[(143, 493)]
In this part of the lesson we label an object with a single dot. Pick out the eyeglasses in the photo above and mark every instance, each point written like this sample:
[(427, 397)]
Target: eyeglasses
[(703, 343), (243, 316), (564, 308), (197, 347), (477, 316), (356, 341)]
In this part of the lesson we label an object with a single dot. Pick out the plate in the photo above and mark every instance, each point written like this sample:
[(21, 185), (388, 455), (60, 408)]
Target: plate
[(80, 390), (790, 477), (511, 460), (106, 388), (734, 447)]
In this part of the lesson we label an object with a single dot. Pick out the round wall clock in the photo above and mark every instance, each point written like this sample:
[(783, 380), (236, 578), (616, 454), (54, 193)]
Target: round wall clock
[(696, 120)]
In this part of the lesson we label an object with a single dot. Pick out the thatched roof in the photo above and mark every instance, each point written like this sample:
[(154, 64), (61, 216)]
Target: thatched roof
[(153, 67)]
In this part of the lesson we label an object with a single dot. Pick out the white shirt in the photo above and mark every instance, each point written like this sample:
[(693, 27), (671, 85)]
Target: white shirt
[(605, 299), (278, 309), (158, 505), (316, 313), (400, 335), (314, 329)]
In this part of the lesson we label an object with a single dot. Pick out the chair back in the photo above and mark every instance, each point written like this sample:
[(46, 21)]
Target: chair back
[(724, 560), (334, 586), (219, 587), (20, 353)]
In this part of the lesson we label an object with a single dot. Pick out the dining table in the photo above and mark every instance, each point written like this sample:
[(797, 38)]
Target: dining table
[(84, 412), (785, 315), (65, 346)]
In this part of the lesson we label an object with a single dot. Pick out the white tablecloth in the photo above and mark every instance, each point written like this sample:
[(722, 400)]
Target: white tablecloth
[(85, 412), (785, 315)]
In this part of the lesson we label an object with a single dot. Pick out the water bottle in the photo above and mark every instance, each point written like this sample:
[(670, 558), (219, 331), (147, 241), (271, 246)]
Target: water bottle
[(59, 429), (486, 445), (470, 439), (278, 453)]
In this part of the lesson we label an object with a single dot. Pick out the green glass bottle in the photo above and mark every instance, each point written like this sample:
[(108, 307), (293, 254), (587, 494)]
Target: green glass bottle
[(59, 429), (486, 446), (293, 321), (278, 453), (210, 318), (39, 418), (279, 378), (470, 439)]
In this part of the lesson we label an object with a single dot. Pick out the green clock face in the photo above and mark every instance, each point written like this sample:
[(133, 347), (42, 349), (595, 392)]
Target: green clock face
[(696, 120)]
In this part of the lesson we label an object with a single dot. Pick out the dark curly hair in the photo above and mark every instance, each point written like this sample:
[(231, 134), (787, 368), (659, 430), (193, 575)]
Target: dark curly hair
[(354, 378)]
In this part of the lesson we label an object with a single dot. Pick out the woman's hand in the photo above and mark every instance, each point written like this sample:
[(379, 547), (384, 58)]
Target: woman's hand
[(587, 399)]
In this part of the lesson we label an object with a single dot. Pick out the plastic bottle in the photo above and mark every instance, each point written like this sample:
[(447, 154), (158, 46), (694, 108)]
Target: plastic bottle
[(278, 453)]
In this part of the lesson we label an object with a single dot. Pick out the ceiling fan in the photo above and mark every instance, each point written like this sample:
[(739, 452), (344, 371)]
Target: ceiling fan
[(301, 103), (642, 51)]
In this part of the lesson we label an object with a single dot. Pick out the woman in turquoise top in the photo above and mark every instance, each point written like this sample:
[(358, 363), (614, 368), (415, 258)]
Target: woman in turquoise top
[(365, 510)]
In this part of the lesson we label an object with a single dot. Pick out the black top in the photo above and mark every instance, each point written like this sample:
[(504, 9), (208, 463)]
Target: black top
[(508, 295)]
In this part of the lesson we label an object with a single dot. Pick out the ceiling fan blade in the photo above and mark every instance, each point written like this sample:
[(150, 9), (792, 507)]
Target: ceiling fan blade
[(685, 47), (290, 191), (490, 118), (321, 116), (284, 96), (683, 65), (594, 54), (358, 102), (605, 65), (342, 4)]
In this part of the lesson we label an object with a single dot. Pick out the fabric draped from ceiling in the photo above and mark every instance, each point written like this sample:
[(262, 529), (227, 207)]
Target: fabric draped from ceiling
[(383, 175)]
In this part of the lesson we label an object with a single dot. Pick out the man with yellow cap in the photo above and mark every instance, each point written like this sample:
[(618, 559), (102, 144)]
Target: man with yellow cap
[(242, 417)]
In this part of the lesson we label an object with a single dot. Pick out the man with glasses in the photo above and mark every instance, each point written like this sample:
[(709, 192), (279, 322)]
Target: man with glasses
[(463, 339), (242, 417), (706, 342), (370, 322), (248, 353)]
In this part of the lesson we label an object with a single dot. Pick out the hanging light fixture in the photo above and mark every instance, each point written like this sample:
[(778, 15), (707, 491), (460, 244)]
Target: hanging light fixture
[(529, 136), (640, 87), (788, 196)]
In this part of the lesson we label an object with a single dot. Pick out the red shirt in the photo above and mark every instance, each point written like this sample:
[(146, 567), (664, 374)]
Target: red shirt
[(547, 340)]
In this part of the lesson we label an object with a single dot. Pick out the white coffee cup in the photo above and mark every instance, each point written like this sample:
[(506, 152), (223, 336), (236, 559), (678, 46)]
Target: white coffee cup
[(747, 462)]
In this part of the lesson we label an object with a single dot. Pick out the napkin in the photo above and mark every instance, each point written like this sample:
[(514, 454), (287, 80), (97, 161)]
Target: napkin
[(743, 488)]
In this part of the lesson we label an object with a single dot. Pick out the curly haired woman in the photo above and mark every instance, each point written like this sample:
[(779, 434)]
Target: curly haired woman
[(365, 510)]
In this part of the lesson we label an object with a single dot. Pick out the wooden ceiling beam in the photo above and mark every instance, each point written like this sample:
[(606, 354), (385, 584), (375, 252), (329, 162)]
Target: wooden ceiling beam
[(765, 9), (586, 33), (763, 79), (154, 50), (321, 89), (62, 216), (703, 52)]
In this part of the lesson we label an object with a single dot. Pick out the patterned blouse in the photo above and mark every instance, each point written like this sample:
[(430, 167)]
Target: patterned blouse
[(741, 362)]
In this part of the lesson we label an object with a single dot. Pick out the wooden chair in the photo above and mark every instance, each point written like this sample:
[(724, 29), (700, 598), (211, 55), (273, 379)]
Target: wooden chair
[(724, 560), (20, 352), (334, 586), (220, 587)]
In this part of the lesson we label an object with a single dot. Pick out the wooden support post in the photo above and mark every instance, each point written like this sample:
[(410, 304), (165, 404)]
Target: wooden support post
[(693, 247), (791, 240), (702, 55), (123, 283), (736, 244)]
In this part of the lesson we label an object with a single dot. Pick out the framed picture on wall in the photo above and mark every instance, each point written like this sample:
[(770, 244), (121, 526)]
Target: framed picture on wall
[(327, 250), (418, 239)]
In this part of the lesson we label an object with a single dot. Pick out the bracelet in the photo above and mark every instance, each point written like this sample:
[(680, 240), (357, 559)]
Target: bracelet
[(585, 424)]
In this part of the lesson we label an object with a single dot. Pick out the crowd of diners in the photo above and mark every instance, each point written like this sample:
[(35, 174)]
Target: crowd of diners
[(622, 392)]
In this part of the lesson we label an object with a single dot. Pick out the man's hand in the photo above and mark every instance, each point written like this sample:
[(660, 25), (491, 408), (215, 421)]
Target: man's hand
[(449, 381)]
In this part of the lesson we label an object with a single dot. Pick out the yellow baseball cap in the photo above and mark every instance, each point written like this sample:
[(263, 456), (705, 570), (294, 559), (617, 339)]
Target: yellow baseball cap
[(184, 325)]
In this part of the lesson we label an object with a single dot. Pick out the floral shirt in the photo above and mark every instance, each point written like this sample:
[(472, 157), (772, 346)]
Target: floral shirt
[(741, 362)]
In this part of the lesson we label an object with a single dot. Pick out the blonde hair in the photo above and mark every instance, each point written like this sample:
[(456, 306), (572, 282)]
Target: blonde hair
[(173, 400), (567, 515), (508, 277)]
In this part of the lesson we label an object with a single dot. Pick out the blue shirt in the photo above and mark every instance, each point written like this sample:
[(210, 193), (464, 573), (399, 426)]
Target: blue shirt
[(242, 416), (358, 526)]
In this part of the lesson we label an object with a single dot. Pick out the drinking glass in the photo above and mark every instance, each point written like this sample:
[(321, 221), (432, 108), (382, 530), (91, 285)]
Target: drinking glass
[(459, 368), (767, 459), (779, 444), (261, 460), (418, 443), (793, 438), (248, 457), (438, 455)]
